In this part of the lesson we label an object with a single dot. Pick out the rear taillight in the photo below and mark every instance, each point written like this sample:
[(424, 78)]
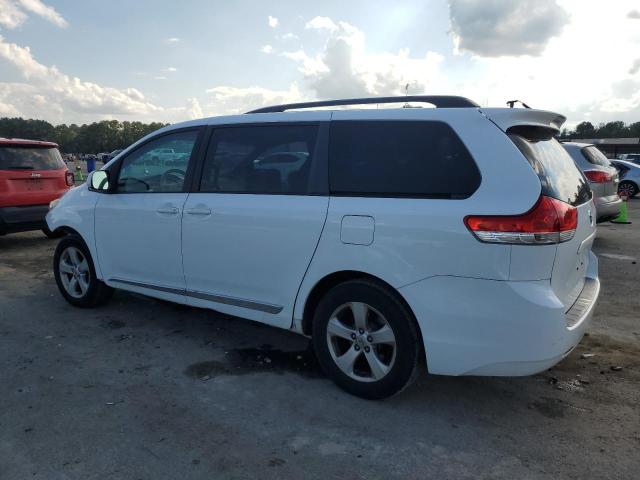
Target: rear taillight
[(69, 179), (549, 221), (596, 176)]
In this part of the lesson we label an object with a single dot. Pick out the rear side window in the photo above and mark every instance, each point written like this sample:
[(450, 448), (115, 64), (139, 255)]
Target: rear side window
[(559, 176), (30, 158), (270, 159), (595, 156), (404, 159)]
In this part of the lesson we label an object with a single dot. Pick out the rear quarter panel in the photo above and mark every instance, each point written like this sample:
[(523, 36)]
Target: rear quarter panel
[(415, 239)]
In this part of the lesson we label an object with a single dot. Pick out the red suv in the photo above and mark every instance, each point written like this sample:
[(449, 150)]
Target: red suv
[(32, 174)]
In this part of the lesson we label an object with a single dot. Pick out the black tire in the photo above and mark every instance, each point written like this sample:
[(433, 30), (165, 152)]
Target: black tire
[(408, 343), (97, 292), (633, 188), (50, 234)]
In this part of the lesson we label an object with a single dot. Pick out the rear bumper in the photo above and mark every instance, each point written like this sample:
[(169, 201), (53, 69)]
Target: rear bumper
[(607, 207), (501, 328), (22, 219)]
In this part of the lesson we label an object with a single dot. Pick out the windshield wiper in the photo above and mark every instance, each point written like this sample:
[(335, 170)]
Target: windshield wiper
[(20, 167)]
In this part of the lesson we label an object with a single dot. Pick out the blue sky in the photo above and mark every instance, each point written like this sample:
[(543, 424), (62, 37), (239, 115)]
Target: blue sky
[(70, 61)]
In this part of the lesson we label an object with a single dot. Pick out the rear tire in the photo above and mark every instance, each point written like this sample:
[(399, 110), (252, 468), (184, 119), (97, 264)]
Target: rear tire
[(628, 187), (50, 234), (366, 340), (75, 274)]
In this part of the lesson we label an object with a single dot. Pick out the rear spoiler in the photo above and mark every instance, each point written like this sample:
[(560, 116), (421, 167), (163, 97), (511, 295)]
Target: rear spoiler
[(506, 118)]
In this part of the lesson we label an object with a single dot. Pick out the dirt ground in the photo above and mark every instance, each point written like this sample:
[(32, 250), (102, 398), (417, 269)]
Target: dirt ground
[(142, 389)]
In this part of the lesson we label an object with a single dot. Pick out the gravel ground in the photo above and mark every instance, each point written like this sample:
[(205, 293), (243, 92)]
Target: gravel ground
[(142, 389)]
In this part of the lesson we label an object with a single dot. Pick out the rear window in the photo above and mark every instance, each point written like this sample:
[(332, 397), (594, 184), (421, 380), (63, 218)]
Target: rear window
[(595, 156), (30, 158), (404, 159), (559, 175)]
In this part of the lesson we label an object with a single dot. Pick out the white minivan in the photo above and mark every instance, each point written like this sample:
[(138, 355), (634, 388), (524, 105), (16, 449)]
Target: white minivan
[(455, 236)]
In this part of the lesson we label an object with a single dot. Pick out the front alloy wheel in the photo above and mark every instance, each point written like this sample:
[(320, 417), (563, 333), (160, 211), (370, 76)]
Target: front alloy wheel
[(74, 272)]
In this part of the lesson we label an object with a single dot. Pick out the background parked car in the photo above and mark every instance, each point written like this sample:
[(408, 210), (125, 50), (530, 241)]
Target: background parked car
[(32, 174), (602, 176), (630, 157), (629, 177)]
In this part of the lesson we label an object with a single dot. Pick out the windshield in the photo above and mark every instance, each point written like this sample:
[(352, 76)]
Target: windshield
[(595, 156), (559, 176), (30, 158)]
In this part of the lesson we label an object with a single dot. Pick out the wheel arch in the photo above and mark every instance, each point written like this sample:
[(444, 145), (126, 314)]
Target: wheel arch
[(329, 281)]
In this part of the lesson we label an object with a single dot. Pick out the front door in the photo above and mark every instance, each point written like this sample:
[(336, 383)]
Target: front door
[(138, 227), (250, 231)]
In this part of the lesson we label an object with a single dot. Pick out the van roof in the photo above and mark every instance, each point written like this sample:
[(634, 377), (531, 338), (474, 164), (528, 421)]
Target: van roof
[(22, 142)]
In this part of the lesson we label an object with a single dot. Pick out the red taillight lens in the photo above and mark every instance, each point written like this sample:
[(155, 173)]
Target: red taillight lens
[(549, 221), (597, 176), (69, 179)]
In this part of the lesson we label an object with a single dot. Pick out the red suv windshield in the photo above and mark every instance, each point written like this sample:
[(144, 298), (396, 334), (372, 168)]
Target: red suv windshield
[(30, 158)]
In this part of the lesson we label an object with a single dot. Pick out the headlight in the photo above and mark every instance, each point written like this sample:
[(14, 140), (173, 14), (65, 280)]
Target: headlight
[(53, 203)]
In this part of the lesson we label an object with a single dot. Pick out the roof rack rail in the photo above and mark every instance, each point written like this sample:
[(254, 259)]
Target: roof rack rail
[(439, 101)]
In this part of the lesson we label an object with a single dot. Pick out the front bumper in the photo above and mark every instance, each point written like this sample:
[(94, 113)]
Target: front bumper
[(22, 219), (475, 326), (607, 207)]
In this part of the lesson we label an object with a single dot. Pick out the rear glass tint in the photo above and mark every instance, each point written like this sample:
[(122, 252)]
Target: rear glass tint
[(559, 175), (30, 158), (404, 159), (595, 156)]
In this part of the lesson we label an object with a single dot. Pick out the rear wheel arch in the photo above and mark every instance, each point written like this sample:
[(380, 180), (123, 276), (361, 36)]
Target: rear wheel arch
[(336, 278)]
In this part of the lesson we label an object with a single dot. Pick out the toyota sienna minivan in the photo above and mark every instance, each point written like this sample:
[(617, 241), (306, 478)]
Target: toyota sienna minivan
[(456, 236)]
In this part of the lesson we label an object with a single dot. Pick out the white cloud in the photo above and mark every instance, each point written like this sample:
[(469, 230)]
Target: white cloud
[(321, 23), (160, 77), (273, 21), (494, 28), (45, 11), (266, 49), (344, 68), (634, 14), (13, 13), (171, 69), (171, 40), (226, 100), (635, 67), (11, 16), (290, 36), (64, 93)]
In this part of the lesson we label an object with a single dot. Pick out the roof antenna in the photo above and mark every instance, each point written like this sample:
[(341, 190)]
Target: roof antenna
[(511, 103)]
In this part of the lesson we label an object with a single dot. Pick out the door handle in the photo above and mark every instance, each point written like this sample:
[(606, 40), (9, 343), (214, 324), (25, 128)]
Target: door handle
[(199, 211), (168, 210)]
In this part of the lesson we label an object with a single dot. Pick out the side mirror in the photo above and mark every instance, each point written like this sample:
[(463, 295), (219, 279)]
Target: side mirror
[(100, 181)]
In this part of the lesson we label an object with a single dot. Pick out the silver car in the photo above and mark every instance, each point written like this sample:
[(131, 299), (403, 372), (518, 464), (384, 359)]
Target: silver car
[(629, 177), (602, 176)]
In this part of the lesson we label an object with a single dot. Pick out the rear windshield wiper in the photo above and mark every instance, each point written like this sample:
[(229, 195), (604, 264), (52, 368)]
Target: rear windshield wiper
[(20, 167)]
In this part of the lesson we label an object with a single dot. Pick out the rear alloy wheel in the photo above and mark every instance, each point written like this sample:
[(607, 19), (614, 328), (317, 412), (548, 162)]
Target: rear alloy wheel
[(366, 340), (75, 274), (627, 188)]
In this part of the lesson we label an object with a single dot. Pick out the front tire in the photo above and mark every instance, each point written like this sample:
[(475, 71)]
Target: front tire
[(75, 274), (366, 340)]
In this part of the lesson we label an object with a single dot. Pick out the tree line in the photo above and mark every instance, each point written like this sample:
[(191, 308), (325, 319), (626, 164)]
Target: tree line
[(603, 130), (109, 135), (97, 137)]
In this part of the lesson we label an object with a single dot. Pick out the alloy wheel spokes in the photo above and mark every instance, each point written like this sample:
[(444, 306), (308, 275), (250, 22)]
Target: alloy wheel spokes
[(74, 272), (361, 341)]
